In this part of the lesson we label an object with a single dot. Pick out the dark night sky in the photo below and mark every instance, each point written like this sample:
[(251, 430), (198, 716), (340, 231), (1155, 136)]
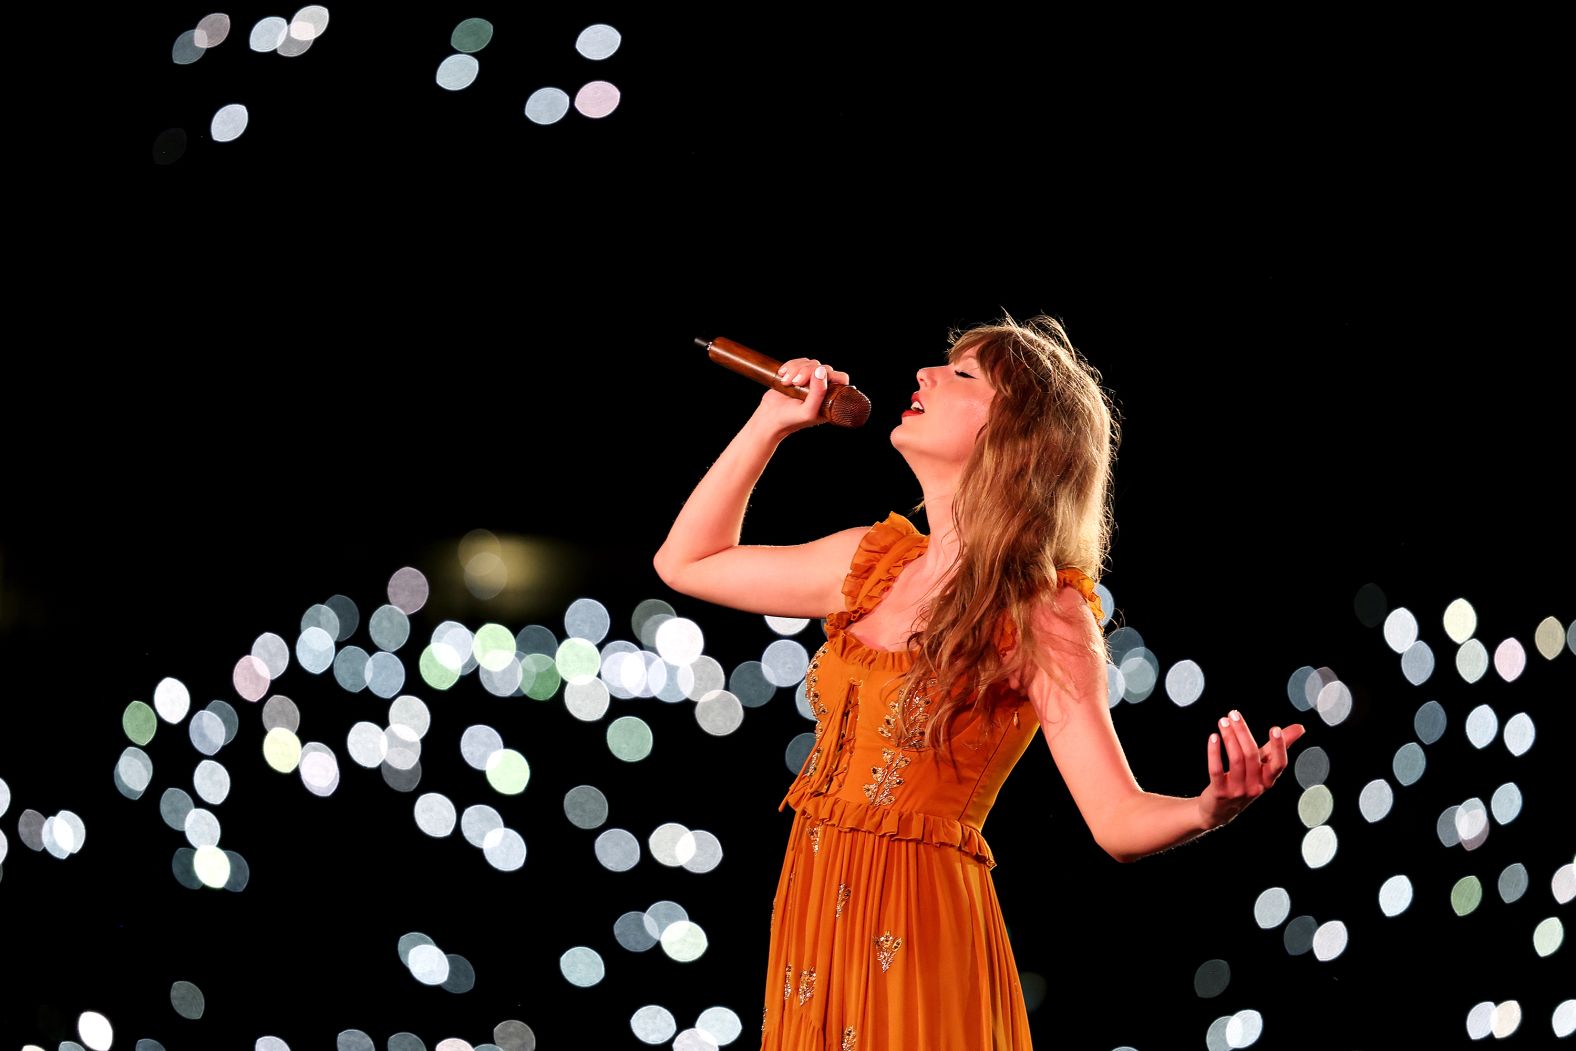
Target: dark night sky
[(1306, 259)]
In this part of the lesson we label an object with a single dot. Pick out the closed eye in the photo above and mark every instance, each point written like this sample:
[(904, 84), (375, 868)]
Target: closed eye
[(960, 372)]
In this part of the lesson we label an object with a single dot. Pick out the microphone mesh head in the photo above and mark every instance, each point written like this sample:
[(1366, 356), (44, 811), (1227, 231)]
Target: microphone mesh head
[(846, 407)]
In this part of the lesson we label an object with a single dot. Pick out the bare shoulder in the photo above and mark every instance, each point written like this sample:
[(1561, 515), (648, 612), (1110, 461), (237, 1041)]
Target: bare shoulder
[(1063, 613)]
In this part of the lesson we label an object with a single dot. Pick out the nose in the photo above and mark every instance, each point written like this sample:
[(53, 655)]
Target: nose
[(923, 375)]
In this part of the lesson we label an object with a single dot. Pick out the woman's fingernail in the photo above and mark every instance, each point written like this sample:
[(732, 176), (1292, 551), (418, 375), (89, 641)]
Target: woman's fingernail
[(1235, 716), (1275, 731), (1224, 722), (820, 372)]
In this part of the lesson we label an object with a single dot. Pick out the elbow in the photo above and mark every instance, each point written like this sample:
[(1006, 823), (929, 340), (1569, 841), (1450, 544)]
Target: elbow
[(1117, 851), (1120, 856), (666, 571)]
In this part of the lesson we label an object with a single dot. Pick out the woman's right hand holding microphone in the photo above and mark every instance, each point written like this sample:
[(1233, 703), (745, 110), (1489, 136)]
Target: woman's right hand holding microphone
[(785, 413)]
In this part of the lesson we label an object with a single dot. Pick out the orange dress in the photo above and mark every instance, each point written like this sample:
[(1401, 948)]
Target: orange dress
[(886, 931)]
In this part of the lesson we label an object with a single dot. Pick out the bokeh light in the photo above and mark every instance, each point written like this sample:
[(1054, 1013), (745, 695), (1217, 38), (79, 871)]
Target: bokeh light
[(171, 700), (598, 42), (1370, 605), (139, 722), (1409, 763), (547, 105), (1460, 621), (585, 807), (269, 33), (212, 30), (1430, 721), (581, 966), (1395, 895), (1329, 941), (1466, 895), (1185, 683), (471, 35), (1272, 907), (1563, 884), (1400, 629), (1519, 733), (1319, 846), (684, 941), (1548, 936), (187, 1000), (1417, 663), (1548, 638), (1376, 799), (1513, 882), (1482, 725), (1510, 660), (629, 738), (1211, 978), (618, 850), (229, 123), (1315, 806), (1471, 661), (1312, 766), (653, 1024), (1564, 1020), (597, 99), (457, 72)]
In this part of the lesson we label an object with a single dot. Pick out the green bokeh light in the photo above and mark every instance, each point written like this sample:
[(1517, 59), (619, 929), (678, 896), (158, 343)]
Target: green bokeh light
[(1466, 895), (140, 721), (472, 35), (433, 671), (539, 677), (493, 647), (578, 660), (629, 738), (508, 772)]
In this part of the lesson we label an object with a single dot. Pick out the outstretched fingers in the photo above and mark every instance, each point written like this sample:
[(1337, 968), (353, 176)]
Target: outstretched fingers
[(1234, 774)]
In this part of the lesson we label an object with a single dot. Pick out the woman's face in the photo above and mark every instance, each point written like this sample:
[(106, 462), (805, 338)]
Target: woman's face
[(956, 401)]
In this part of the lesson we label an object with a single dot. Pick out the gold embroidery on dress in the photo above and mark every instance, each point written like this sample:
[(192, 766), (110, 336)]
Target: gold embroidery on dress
[(886, 948), (849, 1037), (818, 711), (907, 711), (886, 777), (812, 693), (806, 984), (763, 1019), (815, 839), (842, 899), (788, 982)]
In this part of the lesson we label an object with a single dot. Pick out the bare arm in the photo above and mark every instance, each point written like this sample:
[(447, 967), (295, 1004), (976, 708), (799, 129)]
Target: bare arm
[(1075, 716), (702, 556)]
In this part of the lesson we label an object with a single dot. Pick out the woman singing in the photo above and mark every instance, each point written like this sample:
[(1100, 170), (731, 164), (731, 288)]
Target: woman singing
[(945, 653)]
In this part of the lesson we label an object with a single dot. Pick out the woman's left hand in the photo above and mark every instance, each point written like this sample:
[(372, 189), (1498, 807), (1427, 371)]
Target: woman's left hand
[(1253, 769)]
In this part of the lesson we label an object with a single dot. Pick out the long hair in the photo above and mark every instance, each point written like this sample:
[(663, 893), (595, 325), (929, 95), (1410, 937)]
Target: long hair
[(1036, 496)]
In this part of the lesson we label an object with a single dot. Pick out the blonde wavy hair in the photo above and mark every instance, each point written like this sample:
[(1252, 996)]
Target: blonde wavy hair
[(1036, 496)]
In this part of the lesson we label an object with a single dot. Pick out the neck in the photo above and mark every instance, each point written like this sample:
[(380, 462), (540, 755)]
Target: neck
[(942, 551)]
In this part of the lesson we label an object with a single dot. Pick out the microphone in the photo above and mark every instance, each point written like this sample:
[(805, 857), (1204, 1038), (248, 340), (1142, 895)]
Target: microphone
[(843, 404)]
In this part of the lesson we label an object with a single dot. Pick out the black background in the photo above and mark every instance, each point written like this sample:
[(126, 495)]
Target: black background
[(1318, 263)]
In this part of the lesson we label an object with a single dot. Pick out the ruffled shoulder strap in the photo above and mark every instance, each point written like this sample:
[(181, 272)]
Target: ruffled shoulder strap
[(1068, 576), (885, 549), (1072, 576)]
